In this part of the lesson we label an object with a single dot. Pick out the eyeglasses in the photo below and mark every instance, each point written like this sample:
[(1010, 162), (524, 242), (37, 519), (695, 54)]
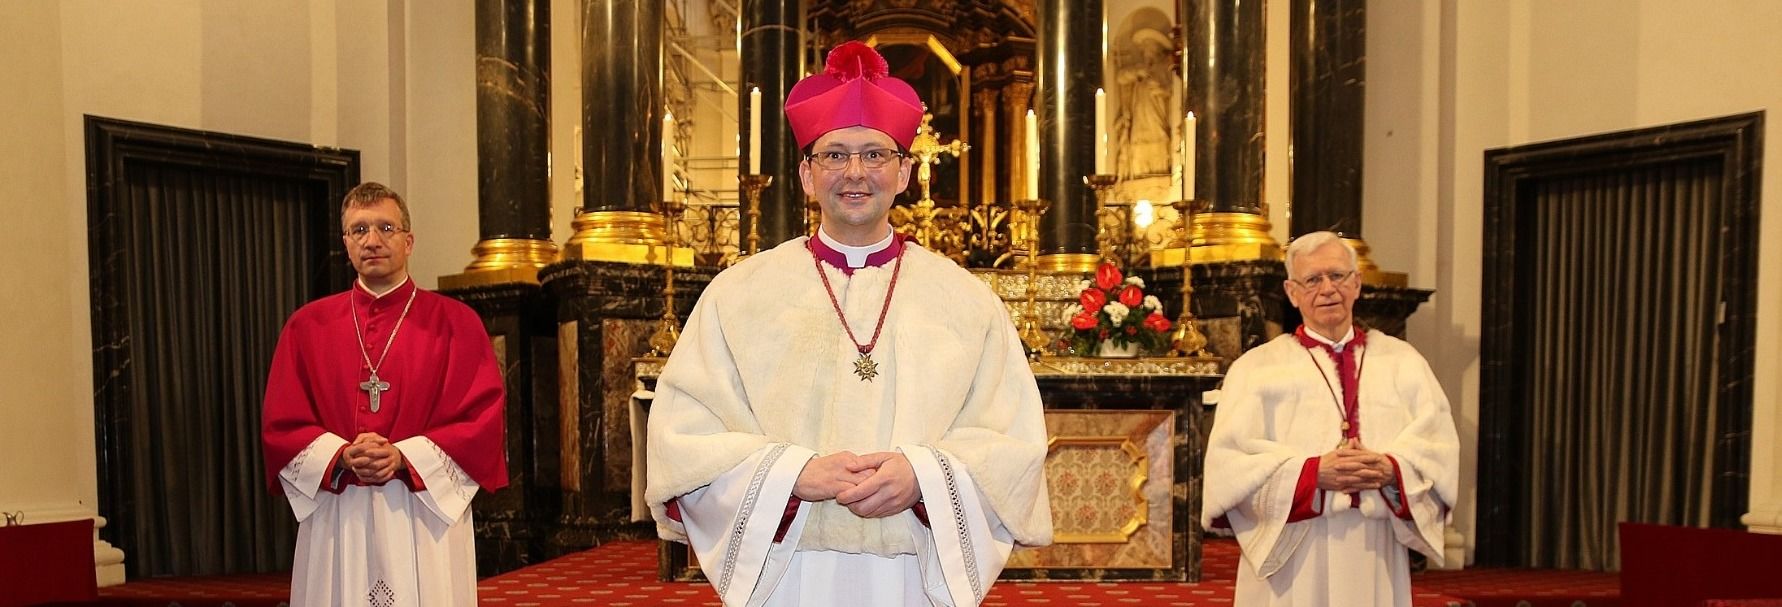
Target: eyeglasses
[(870, 159), (359, 232), (1316, 281)]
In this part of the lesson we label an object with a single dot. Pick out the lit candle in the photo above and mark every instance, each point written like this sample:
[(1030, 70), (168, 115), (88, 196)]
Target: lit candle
[(1189, 129), (755, 131), (1101, 133), (668, 156), (1033, 161)]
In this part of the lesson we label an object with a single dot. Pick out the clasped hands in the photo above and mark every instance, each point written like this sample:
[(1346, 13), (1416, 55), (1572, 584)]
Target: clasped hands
[(873, 485), (372, 458), (1352, 468)]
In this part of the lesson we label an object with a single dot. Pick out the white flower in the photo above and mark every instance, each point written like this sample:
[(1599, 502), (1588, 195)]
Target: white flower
[(1116, 312), (1084, 284), (1152, 303), (1135, 281), (1072, 311)]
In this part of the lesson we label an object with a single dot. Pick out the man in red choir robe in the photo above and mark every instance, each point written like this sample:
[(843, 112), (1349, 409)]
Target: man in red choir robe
[(849, 419), (383, 418), (1333, 451)]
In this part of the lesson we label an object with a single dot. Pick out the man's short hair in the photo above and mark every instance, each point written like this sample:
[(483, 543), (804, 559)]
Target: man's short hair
[(367, 194), (1307, 243)]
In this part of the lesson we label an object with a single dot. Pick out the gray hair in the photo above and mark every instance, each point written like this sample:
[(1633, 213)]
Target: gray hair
[(1305, 244), (369, 193)]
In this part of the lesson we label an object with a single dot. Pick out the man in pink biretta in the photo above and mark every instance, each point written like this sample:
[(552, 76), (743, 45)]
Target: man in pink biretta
[(849, 419)]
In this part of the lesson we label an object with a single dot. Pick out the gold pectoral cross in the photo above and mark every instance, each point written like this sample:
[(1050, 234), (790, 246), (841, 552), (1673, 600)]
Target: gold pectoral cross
[(376, 388)]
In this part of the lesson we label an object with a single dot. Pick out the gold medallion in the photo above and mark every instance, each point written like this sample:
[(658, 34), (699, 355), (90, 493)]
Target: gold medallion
[(865, 367)]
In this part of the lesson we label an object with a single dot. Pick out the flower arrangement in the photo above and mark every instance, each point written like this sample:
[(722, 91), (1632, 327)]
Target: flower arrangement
[(1115, 310)]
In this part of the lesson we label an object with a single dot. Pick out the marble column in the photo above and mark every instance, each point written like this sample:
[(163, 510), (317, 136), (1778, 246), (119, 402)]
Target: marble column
[(622, 109), (513, 66), (1329, 89), (773, 59), (513, 96), (1224, 73), (1068, 71), (1329, 83)]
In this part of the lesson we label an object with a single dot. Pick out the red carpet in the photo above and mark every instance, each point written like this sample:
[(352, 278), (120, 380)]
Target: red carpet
[(623, 574)]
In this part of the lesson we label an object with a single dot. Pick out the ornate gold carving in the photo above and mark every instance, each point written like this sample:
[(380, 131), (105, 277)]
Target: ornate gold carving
[(1090, 487), (1126, 367), (711, 230), (649, 366), (1012, 285), (941, 230)]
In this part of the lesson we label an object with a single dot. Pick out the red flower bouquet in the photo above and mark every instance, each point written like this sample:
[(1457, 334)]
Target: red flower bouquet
[(1114, 309)]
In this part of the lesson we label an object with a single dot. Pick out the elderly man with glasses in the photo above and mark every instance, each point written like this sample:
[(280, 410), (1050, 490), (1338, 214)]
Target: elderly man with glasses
[(1333, 450), (849, 419), (383, 417)]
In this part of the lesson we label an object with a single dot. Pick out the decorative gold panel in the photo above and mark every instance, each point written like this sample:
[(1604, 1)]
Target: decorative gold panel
[(1095, 483), (1132, 523)]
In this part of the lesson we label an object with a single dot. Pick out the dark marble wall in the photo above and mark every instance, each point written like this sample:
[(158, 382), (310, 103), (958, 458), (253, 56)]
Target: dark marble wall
[(621, 105), (1329, 81), (513, 100), (517, 317), (1068, 71), (613, 308), (1224, 74), (773, 59)]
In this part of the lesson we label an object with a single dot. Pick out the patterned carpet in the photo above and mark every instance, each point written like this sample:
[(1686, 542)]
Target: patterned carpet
[(623, 574)]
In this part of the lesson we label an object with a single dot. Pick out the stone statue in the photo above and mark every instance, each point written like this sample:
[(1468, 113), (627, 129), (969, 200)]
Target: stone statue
[(1141, 130)]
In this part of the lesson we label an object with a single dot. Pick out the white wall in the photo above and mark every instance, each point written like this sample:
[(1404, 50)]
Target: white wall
[(385, 78), (1448, 80)]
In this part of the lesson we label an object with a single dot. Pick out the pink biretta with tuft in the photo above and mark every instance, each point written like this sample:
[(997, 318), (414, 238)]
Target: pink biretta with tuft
[(855, 89)]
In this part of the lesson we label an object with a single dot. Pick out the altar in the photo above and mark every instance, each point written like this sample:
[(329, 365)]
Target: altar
[(1126, 440)]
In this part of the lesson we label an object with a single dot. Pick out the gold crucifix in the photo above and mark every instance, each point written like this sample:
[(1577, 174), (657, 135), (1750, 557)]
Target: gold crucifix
[(930, 226)]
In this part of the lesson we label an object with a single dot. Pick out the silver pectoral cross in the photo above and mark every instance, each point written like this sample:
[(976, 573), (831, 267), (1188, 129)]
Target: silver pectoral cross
[(375, 387)]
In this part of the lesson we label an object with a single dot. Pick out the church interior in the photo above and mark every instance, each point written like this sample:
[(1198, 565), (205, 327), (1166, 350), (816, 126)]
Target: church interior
[(1558, 204)]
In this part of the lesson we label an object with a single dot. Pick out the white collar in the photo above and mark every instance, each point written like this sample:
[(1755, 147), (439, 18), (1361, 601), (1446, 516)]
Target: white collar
[(376, 295), (1337, 345), (856, 256)]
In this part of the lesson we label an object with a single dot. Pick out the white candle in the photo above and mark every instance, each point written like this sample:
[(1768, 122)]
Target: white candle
[(1101, 133), (668, 156), (1189, 129), (1033, 160), (755, 131)]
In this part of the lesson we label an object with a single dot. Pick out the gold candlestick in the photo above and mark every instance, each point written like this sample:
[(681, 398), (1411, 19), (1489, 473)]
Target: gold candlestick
[(668, 329), (1106, 238), (1189, 342), (1032, 336), (751, 187)]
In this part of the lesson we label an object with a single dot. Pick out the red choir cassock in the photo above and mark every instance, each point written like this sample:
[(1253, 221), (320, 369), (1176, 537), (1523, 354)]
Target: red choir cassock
[(441, 371)]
